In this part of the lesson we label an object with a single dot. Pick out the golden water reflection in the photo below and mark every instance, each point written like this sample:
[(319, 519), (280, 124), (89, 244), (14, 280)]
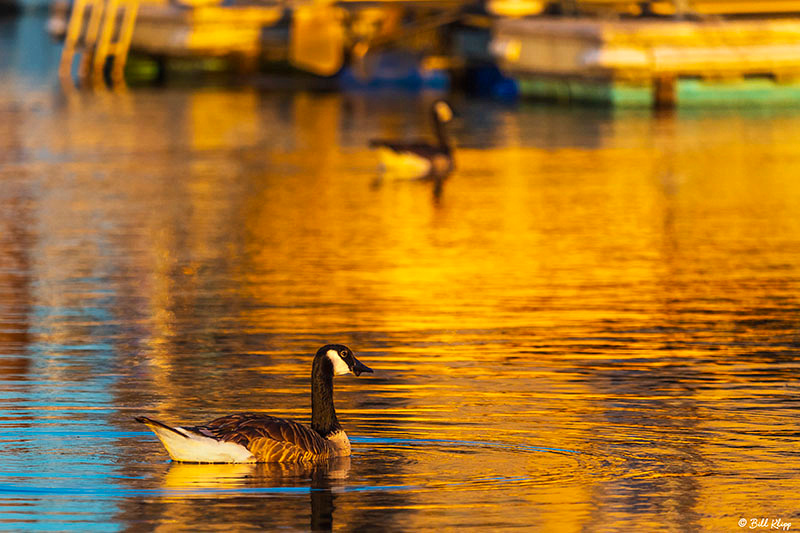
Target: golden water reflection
[(593, 326)]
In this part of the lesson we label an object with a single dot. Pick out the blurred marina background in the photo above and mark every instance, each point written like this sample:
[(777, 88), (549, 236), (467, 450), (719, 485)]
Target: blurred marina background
[(590, 325), (659, 53)]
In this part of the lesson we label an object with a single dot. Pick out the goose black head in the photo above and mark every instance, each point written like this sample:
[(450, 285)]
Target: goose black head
[(442, 111), (343, 360)]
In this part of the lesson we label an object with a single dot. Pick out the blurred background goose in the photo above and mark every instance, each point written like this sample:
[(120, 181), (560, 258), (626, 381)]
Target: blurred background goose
[(257, 438), (420, 159)]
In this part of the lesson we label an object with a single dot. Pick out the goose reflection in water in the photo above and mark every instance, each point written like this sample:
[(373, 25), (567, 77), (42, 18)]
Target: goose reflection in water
[(226, 483), (436, 182)]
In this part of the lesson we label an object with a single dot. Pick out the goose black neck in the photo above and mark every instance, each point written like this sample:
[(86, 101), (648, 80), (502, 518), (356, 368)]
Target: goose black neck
[(441, 133), (323, 415)]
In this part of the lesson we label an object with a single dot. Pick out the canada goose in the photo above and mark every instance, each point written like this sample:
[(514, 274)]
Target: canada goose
[(257, 438), (420, 159)]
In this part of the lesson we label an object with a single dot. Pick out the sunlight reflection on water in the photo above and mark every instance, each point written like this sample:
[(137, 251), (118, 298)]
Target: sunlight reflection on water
[(593, 326)]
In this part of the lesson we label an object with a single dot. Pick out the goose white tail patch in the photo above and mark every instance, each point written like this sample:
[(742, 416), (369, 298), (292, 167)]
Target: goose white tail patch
[(403, 164), (340, 368), (194, 448)]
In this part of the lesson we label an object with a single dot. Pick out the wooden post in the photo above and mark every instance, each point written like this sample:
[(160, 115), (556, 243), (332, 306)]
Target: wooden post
[(665, 90)]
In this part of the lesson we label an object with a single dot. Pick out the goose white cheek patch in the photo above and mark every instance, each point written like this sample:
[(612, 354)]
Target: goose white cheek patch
[(340, 368)]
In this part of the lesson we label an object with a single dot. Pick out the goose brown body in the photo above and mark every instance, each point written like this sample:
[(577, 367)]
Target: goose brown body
[(255, 437)]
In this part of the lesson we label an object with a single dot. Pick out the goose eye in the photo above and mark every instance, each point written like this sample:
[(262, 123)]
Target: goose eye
[(344, 354)]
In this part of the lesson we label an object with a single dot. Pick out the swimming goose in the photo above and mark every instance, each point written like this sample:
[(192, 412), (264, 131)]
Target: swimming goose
[(257, 438), (420, 159)]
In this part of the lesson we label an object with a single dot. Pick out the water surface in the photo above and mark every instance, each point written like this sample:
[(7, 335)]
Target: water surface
[(593, 325)]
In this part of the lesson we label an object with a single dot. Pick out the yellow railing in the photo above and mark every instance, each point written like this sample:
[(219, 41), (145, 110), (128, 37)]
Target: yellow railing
[(106, 34)]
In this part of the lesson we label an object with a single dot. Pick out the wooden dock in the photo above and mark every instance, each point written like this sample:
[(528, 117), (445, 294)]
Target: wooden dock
[(637, 8), (652, 62), (617, 52)]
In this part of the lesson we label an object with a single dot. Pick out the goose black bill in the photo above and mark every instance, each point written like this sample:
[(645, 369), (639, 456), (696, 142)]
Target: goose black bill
[(359, 367)]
